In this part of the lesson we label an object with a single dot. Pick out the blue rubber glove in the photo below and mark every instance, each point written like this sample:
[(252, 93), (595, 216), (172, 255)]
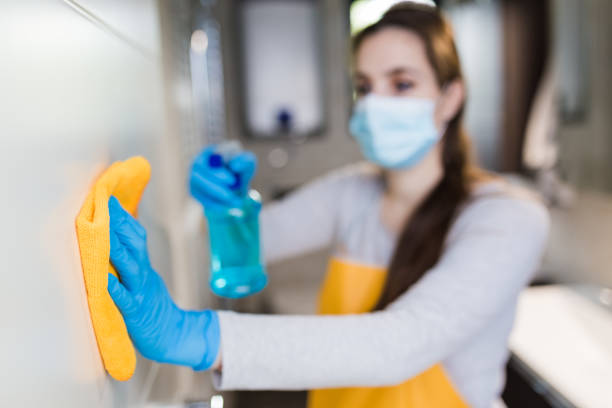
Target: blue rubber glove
[(159, 329), (224, 186)]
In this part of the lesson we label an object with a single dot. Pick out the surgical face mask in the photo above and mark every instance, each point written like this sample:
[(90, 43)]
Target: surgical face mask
[(394, 132)]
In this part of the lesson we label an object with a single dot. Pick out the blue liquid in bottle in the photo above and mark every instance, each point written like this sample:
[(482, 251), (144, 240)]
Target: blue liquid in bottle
[(235, 251)]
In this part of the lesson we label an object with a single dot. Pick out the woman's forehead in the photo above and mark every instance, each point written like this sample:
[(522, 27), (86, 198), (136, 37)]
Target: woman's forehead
[(391, 49)]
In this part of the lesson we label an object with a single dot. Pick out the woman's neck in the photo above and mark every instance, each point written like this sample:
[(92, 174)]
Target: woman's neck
[(405, 189)]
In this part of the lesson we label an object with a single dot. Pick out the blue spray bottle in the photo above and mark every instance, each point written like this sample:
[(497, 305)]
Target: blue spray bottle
[(236, 267)]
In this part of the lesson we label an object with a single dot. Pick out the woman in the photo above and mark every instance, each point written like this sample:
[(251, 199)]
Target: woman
[(430, 253)]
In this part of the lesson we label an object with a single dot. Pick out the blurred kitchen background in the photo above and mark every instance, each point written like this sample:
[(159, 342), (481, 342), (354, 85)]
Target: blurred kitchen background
[(87, 82)]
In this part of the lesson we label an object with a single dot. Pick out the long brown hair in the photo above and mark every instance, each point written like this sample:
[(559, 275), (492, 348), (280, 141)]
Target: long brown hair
[(421, 242)]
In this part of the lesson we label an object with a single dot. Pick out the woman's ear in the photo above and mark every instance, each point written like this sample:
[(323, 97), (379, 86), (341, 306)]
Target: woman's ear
[(453, 96)]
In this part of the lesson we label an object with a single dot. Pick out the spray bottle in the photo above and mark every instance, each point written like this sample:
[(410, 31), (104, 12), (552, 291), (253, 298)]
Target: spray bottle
[(235, 252)]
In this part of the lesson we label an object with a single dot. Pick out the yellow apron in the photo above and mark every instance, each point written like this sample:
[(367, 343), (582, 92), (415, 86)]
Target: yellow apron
[(354, 288)]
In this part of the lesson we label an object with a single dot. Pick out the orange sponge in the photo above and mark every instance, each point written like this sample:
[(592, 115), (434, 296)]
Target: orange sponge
[(126, 181)]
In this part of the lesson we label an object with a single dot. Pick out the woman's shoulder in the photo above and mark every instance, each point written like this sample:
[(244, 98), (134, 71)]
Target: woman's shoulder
[(500, 203), (503, 191), (356, 178), (363, 171)]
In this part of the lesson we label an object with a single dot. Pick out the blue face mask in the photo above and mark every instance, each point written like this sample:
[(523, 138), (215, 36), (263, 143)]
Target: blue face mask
[(394, 132)]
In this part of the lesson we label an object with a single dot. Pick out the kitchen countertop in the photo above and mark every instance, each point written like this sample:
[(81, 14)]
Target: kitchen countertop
[(563, 337)]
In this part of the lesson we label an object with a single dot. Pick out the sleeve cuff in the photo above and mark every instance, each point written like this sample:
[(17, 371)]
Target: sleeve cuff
[(220, 377)]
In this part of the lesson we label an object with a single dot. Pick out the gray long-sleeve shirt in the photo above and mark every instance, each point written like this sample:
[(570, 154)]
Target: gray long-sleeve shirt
[(460, 313)]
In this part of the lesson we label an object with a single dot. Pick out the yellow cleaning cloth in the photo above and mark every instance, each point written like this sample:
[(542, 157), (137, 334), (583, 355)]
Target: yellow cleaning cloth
[(126, 181)]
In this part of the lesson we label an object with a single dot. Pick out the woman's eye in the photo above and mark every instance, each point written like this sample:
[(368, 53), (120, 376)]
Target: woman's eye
[(403, 86), (362, 90)]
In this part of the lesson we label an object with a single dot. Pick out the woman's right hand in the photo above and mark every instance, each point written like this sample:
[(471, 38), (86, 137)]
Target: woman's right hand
[(159, 329), (221, 187)]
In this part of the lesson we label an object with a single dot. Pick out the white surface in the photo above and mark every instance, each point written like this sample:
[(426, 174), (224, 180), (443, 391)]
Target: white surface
[(567, 340), (283, 68), (73, 98), (137, 20)]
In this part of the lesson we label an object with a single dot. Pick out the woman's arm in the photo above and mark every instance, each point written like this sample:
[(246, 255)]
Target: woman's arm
[(307, 219), (492, 251)]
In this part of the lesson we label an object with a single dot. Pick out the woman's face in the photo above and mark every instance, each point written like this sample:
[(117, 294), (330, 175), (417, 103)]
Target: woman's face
[(393, 62)]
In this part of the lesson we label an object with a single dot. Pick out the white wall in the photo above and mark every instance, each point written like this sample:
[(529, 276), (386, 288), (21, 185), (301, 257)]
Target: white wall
[(81, 85)]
